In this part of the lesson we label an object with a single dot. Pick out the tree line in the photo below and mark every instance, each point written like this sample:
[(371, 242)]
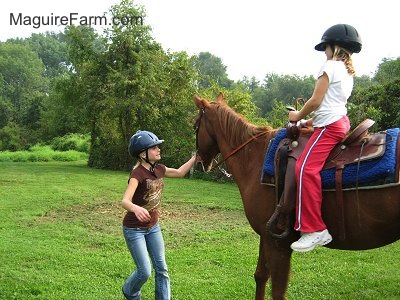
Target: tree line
[(112, 84)]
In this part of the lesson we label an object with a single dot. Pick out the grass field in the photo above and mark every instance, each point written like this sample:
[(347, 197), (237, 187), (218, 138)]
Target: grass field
[(60, 228)]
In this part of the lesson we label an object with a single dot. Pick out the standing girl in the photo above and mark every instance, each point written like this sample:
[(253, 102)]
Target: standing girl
[(141, 229), (331, 124)]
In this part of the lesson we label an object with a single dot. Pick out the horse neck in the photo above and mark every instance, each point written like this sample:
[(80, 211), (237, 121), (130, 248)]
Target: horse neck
[(232, 132)]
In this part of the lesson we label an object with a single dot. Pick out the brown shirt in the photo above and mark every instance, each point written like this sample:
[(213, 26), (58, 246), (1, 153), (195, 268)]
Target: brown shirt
[(147, 195)]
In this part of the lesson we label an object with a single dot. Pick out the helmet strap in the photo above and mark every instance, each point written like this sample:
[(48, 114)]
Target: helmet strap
[(152, 165)]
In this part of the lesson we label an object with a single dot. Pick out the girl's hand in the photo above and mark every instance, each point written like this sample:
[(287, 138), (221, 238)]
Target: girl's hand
[(142, 214), (294, 116)]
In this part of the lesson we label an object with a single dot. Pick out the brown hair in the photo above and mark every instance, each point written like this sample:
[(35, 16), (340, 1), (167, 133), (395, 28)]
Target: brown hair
[(344, 55)]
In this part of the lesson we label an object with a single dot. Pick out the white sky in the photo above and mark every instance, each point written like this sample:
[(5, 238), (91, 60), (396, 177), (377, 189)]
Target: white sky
[(252, 37)]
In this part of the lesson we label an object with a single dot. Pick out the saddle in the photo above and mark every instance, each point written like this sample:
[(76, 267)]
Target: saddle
[(356, 147)]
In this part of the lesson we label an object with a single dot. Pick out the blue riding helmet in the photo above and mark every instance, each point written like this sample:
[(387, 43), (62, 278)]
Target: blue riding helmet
[(142, 140)]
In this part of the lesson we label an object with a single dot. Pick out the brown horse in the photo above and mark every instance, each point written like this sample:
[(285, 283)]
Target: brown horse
[(219, 129)]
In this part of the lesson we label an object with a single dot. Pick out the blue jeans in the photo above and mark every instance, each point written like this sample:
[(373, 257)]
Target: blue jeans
[(145, 245)]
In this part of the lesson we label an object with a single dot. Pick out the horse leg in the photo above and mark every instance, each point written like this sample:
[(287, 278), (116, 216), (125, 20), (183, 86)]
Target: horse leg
[(261, 274), (278, 259)]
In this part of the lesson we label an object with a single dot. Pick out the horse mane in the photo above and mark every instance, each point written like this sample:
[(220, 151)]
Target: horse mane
[(236, 126)]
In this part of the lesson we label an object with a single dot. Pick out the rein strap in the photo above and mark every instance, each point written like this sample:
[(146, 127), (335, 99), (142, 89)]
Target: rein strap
[(237, 149)]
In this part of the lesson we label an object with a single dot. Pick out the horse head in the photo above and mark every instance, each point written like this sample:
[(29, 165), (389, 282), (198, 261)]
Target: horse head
[(206, 143)]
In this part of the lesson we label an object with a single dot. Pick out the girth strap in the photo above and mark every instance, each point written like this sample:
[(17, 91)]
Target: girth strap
[(281, 167), (339, 199)]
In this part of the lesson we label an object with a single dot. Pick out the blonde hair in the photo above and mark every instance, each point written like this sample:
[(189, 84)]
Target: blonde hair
[(344, 55)]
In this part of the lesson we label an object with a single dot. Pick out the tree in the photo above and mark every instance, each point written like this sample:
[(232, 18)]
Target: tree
[(380, 102), (278, 116), (23, 89), (47, 116), (388, 70), (126, 82), (362, 82), (379, 99), (284, 88), (52, 50), (238, 98), (65, 109), (211, 69)]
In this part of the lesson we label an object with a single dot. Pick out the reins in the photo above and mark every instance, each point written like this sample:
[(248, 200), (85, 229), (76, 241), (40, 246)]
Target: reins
[(237, 149)]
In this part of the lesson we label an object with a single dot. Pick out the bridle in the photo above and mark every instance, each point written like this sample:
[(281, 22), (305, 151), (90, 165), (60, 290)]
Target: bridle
[(199, 158), (203, 113)]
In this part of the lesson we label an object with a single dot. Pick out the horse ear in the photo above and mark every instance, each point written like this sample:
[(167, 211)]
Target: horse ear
[(220, 97), (200, 103)]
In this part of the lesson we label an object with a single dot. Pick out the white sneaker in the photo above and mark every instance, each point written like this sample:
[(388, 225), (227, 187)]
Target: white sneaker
[(309, 241)]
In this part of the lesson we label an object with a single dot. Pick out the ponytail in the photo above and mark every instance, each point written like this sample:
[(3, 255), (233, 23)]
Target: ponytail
[(344, 55)]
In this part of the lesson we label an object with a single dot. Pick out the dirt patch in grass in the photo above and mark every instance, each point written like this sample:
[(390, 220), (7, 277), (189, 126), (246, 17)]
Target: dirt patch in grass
[(101, 216), (106, 216)]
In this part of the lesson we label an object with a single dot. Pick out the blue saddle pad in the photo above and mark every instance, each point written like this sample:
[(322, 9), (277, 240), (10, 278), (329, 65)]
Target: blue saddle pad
[(376, 171), (269, 166)]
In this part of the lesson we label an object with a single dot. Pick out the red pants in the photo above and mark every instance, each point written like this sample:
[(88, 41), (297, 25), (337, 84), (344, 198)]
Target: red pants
[(308, 168)]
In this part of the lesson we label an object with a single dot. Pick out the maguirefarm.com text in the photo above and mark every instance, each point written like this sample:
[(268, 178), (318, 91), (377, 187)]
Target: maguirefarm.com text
[(18, 19)]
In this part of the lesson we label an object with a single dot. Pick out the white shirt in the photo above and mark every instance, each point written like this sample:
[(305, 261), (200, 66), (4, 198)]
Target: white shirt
[(333, 105)]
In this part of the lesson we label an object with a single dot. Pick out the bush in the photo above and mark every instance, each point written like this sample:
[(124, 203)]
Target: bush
[(43, 154), (72, 141), (12, 137)]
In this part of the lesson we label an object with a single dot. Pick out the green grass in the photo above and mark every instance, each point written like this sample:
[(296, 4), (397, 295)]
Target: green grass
[(60, 228)]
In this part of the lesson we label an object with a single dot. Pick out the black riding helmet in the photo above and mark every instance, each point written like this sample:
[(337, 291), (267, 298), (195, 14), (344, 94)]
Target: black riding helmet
[(343, 35)]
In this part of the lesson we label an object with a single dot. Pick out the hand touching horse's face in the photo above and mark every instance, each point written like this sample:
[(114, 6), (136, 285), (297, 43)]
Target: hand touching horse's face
[(207, 147)]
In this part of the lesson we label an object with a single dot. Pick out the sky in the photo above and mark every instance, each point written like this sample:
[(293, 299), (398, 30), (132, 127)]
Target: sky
[(253, 38)]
